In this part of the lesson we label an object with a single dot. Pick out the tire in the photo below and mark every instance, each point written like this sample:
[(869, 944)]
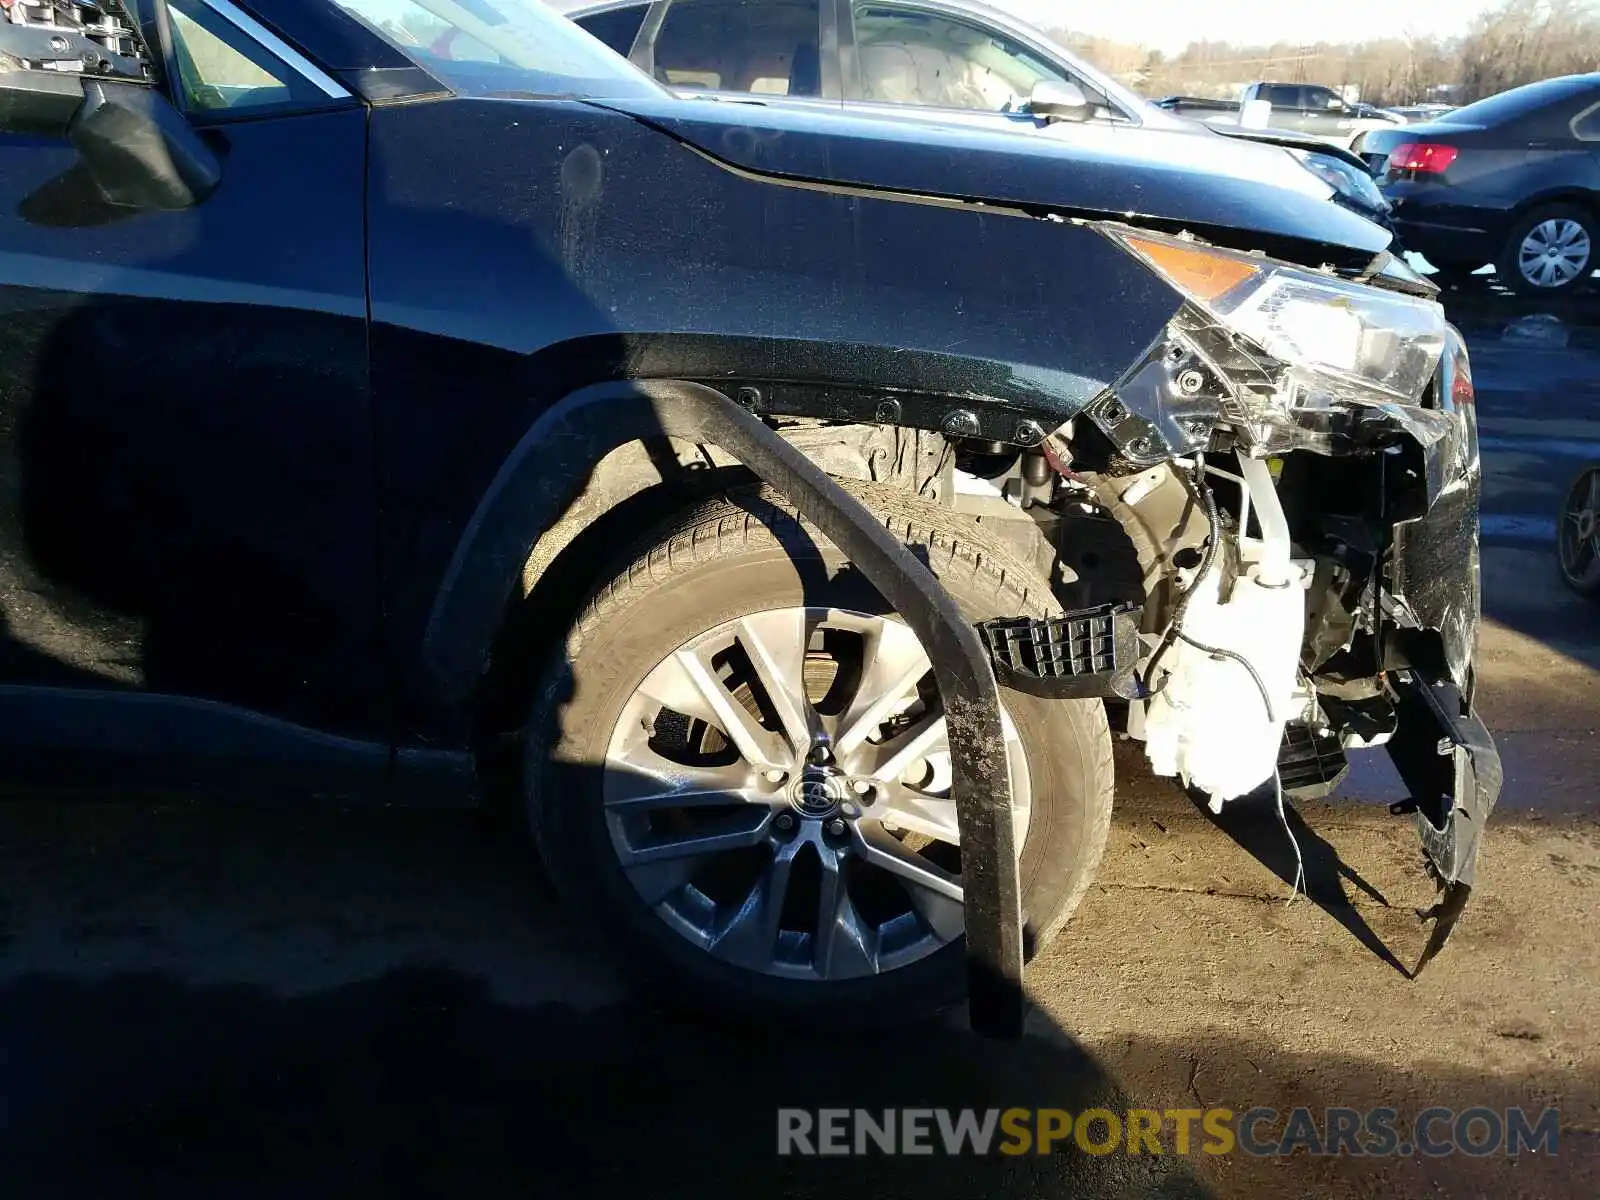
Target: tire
[(748, 554), (1564, 225), (1578, 535)]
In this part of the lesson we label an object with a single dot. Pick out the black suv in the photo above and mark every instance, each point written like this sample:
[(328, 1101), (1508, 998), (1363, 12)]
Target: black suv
[(406, 399)]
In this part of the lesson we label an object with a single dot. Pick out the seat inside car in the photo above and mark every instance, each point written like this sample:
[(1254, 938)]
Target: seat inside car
[(902, 71)]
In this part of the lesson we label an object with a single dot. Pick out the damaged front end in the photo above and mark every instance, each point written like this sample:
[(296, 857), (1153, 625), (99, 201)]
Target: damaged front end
[(1296, 462)]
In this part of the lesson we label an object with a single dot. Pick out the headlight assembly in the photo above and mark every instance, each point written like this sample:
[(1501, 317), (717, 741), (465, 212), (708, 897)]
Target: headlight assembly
[(1274, 349), (1345, 178)]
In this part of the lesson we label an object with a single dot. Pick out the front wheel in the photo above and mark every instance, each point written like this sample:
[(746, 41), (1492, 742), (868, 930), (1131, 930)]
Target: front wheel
[(748, 777), (1551, 251)]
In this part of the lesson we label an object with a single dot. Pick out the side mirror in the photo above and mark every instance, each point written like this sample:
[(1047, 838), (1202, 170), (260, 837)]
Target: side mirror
[(139, 151), (1059, 100)]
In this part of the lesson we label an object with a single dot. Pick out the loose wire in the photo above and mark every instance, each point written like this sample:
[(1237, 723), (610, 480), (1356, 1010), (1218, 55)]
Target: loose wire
[(1299, 861), (1208, 502)]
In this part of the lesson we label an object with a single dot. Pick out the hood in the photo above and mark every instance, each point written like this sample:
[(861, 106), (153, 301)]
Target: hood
[(1289, 140), (1091, 170)]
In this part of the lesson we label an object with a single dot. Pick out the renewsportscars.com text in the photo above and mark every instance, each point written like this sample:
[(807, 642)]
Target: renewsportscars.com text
[(1261, 1132)]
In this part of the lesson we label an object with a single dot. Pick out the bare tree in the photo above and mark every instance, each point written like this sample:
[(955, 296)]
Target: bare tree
[(1527, 40), (1518, 42)]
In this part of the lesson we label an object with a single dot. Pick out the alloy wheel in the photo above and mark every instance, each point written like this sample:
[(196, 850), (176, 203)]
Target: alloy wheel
[(777, 790)]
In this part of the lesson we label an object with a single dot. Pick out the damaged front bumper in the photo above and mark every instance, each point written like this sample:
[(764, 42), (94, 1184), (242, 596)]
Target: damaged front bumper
[(1430, 612), (1370, 512)]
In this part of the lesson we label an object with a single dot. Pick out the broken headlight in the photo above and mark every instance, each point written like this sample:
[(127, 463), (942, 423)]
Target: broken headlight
[(1274, 349), (1347, 179)]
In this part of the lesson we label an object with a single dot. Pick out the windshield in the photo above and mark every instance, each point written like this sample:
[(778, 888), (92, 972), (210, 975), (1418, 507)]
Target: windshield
[(494, 47)]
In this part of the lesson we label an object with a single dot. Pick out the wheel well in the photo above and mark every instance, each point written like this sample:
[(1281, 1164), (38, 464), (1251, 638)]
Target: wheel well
[(1588, 201), (557, 582), (638, 485), (634, 487)]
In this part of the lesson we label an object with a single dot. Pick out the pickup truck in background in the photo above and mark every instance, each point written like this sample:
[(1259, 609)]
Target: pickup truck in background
[(1307, 108)]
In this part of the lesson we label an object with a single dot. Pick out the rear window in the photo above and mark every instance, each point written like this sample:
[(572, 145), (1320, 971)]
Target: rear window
[(1519, 102)]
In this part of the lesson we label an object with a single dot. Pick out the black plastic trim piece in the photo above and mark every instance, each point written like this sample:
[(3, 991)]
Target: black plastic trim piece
[(1087, 654)]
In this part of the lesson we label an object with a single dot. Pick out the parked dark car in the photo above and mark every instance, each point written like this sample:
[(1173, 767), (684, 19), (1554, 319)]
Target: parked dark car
[(386, 394), (1513, 180)]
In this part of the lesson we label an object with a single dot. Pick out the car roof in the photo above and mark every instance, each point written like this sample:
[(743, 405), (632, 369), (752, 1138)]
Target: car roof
[(971, 8), (1531, 100)]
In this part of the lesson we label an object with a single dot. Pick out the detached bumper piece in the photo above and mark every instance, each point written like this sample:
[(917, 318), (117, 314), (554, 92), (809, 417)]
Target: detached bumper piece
[(1448, 761), (1089, 654)]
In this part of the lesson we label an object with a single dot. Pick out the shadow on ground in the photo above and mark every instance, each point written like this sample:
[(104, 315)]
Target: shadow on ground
[(1302, 859), (418, 1083), (248, 1003)]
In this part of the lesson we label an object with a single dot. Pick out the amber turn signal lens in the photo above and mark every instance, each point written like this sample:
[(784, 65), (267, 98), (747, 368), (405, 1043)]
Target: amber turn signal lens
[(1201, 272)]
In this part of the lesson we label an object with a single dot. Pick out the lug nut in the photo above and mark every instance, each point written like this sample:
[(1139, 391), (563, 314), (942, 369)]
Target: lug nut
[(820, 753), (850, 811), (862, 787), (836, 827), (775, 775), (785, 822)]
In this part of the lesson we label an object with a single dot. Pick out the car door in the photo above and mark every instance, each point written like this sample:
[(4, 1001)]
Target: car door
[(905, 54), (187, 485)]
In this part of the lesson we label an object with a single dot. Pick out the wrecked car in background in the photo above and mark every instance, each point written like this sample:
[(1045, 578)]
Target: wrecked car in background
[(410, 497)]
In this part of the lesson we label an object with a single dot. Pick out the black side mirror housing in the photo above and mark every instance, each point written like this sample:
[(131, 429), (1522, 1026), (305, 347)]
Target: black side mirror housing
[(139, 151)]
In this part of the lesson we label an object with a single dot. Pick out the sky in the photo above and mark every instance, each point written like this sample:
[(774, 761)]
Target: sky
[(1169, 25)]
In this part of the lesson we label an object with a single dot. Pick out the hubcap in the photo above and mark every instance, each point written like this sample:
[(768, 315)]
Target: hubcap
[(1554, 253), (778, 791), (1576, 541)]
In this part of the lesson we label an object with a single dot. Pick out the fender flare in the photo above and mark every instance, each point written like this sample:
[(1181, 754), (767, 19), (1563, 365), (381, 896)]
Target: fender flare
[(524, 499)]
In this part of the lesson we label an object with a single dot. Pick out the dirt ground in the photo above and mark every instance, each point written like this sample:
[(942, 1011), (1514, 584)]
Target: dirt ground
[(293, 1002)]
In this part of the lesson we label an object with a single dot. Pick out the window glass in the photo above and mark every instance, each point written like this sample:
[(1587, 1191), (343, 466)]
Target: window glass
[(909, 57), (495, 47), (616, 28), (1281, 95), (763, 46), (221, 69)]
